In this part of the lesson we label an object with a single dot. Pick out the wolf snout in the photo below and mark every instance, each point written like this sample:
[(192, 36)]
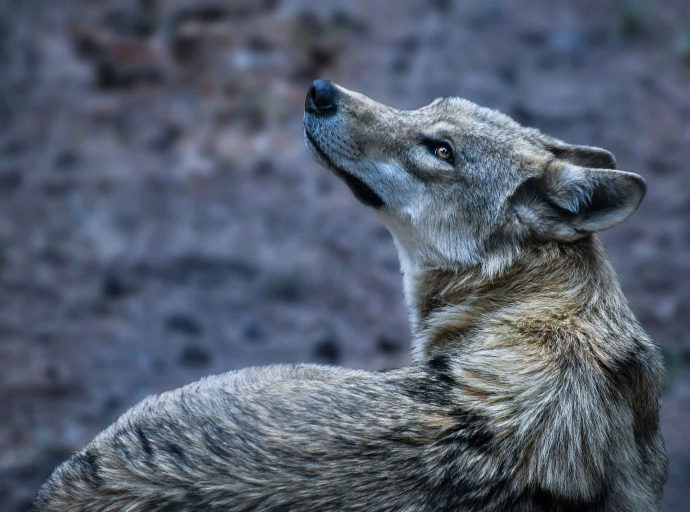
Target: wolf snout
[(322, 98)]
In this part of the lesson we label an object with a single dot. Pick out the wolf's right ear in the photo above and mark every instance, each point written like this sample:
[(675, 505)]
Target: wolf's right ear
[(584, 156), (568, 202)]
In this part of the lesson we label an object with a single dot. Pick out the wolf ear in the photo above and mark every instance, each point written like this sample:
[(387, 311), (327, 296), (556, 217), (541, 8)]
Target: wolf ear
[(568, 202), (584, 156)]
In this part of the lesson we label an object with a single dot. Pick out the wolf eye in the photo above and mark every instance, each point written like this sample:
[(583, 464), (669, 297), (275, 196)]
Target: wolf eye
[(443, 152)]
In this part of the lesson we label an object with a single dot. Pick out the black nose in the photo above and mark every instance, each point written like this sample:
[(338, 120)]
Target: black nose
[(321, 98)]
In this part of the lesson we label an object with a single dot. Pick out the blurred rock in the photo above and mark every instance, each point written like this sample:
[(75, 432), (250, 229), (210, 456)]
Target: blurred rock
[(346, 21), (165, 138), (131, 23), (13, 147), (400, 66), (387, 345), (327, 350), (409, 44), (534, 36), (66, 159), (565, 47), (194, 356), (285, 285), (660, 164), (443, 6), (183, 323), (632, 18), (487, 14), (508, 74), (252, 331), (10, 180), (114, 287), (127, 65)]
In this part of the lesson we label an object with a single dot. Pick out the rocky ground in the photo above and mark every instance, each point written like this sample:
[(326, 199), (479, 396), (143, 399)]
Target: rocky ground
[(161, 220)]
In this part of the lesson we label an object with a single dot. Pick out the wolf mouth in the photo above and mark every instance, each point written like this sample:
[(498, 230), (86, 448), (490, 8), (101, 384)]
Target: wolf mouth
[(361, 190)]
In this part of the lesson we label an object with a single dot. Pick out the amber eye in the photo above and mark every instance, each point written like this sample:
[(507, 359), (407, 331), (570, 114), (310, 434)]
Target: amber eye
[(443, 152)]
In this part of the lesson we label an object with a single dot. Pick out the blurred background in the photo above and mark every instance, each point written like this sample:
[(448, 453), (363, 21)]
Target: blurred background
[(161, 220)]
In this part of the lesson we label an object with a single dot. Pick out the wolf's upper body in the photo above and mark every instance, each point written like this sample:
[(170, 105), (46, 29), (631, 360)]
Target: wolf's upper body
[(533, 386)]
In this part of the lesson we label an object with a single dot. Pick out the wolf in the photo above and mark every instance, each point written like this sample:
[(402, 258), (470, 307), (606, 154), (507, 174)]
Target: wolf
[(533, 387)]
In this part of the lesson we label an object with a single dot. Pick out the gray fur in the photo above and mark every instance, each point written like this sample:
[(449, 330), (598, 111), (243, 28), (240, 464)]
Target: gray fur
[(534, 388)]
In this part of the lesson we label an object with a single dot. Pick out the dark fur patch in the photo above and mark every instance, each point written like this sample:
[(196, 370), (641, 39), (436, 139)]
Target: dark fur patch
[(175, 450), (428, 390), (86, 465), (472, 431), (435, 385), (629, 380), (457, 490), (439, 368), (546, 501), (144, 440)]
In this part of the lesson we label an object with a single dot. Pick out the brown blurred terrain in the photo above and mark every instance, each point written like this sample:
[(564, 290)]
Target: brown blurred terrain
[(160, 219)]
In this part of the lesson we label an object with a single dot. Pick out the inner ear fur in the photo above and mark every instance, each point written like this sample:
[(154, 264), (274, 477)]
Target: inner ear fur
[(583, 156), (568, 202)]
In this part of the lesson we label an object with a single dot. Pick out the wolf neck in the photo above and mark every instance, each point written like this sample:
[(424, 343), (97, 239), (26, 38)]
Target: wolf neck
[(547, 287)]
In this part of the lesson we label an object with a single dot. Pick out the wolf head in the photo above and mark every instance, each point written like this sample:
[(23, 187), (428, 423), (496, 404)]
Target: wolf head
[(461, 185)]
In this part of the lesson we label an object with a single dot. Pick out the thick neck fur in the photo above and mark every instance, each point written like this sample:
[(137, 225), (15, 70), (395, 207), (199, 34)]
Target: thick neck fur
[(551, 352), (550, 286)]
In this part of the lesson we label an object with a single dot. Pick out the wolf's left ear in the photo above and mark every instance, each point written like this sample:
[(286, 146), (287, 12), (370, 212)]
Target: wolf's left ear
[(568, 202), (584, 156)]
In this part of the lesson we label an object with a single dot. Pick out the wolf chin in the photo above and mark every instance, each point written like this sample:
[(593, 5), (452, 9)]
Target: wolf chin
[(533, 386)]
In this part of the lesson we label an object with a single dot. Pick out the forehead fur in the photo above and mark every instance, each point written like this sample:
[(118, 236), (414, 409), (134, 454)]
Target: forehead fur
[(459, 111), (474, 122)]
